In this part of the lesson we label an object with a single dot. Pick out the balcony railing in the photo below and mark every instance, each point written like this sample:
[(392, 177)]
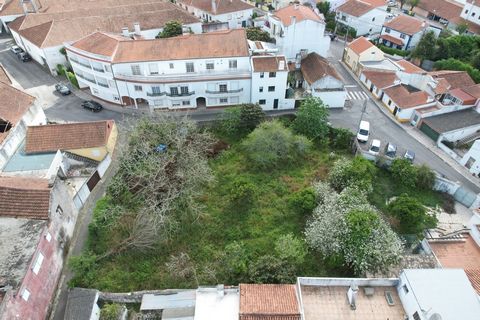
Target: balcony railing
[(156, 94), (85, 78), (180, 77), (98, 70), (224, 91), (81, 63), (168, 94), (102, 84)]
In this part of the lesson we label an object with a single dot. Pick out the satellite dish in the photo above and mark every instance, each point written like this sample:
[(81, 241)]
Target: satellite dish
[(435, 316)]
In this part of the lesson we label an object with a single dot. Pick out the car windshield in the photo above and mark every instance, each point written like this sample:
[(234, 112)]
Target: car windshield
[(375, 148), (363, 132)]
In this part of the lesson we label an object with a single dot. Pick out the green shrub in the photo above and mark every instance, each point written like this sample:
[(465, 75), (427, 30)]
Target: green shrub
[(73, 80), (236, 261), (290, 248), (84, 267), (61, 69), (240, 120), (411, 215), (311, 120), (110, 311), (341, 139), (425, 177), (171, 29), (454, 64), (303, 201), (242, 191), (393, 51), (257, 34), (271, 269), (358, 172), (404, 172)]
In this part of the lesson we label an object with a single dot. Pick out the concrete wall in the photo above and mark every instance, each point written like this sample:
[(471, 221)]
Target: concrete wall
[(331, 98), (369, 23), (280, 84), (234, 19), (456, 135), (473, 153)]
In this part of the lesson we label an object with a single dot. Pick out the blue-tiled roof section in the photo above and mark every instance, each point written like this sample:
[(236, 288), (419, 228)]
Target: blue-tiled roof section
[(23, 162)]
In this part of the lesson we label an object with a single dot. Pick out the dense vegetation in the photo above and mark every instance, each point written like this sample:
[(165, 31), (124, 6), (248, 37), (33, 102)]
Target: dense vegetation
[(240, 202)]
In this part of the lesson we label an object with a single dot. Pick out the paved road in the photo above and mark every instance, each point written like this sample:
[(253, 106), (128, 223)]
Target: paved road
[(384, 128)]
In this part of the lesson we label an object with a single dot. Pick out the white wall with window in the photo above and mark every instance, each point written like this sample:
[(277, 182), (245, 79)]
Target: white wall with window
[(370, 22)]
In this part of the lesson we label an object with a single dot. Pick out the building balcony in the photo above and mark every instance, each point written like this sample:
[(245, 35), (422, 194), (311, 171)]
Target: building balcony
[(168, 94), (155, 94), (98, 70), (87, 79), (103, 85), (80, 63), (224, 91), (185, 77)]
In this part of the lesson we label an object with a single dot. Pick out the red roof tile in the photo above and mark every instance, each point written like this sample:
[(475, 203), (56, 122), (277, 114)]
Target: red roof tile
[(405, 99), (222, 6), (409, 67), (406, 24), (53, 137), (381, 79), (392, 39), (300, 13), (358, 8), (456, 79), (269, 63), (314, 67), (442, 8), (268, 302), (24, 197), (360, 45)]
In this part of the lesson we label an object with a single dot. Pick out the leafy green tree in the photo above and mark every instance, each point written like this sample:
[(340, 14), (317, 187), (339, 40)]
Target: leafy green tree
[(84, 267), (454, 64), (475, 61), (271, 269), (425, 177), (358, 172), (324, 7), (341, 138), (271, 146), (303, 201), (257, 34), (312, 119), (110, 311), (236, 261), (290, 248), (404, 172), (242, 192), (411, 214), (171, 29), (413, 3), (462, 28), (251, 115), (425, 49)]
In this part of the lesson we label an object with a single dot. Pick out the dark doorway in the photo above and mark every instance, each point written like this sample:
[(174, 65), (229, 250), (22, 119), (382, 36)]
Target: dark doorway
[(92, 182), (127, 101), (275, 104), (395, 110), (201, 103)]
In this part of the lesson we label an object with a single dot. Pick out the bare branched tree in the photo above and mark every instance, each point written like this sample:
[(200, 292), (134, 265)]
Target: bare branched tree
[(182, 266)]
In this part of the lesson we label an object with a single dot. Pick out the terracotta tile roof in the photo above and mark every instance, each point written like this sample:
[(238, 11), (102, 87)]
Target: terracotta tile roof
[(442, 8), (392, 39), (14, 104), (300, 13), (474, 91), (456, 79), (229, 43), (360, 45), (4, 76), (406, 24), (24, 197), (269, 63), (462, 95), (409, 67), (53, 137), (460, 254), (268, 302), (405, 99), (358, 8), (66, 27), (314, 67), (222, 6), (381, 79), (101, 43)]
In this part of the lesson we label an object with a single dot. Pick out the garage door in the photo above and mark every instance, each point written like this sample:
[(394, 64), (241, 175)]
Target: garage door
[(432, 134)]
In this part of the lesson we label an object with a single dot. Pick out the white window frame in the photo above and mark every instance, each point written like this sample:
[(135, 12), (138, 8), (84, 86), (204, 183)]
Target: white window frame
[(224, 98), (25, 294), (136, 71), (137, 88), (38, 263), (153, 68)]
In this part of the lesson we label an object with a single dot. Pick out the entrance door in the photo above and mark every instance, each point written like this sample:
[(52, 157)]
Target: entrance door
[(275, 104), (395, 110)]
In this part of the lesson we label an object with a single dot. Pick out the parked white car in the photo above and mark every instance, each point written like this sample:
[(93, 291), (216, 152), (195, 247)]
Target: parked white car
[(375, 147), (16, 49), (363, 131)]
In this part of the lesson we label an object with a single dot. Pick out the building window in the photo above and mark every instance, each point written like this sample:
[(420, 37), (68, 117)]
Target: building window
[(59, 210), (387, 30), (25, 294), (222, 88), (174, 91), (272, 74), (473, 14), (48, 236), (405, 288), (416, 316), (175, 103), (171, 65), (223, 100), (262, 101), (232, 64), (153, 67), (271, 88), (184, 89), (262, 74), (38, 263), (190, 67), (185, 102), (107, 68), (466, 11), (389, 102), (402, 36), (260, 89), (209, 66), (373, 19), (136, 70), (137, 88), (156, 90)]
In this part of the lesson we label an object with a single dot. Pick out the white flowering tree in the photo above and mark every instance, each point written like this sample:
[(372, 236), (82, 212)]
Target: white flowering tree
[(345, 224)]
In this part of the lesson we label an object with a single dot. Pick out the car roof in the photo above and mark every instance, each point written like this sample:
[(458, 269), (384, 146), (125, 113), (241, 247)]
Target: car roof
[(376, 141), (364, 124)]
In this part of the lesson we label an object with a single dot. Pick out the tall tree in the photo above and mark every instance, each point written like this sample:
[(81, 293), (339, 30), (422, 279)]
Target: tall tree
[(312, 119), (171, 29), (425, 49), (413, 3)]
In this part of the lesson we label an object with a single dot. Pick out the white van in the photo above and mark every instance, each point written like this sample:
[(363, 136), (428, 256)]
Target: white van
[(363, 131)]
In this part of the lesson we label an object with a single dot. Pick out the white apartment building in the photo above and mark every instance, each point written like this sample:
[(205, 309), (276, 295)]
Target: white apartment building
[(269, 82), (471, 11), (365, 16), (234, 13), (298, 30), (189, 71)]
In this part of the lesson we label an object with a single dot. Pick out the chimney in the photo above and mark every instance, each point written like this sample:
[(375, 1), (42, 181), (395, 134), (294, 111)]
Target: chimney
[(352, 295), (136, 27), (214, 7), (125, 32), (295, 6), (281, 65), (34, 5)]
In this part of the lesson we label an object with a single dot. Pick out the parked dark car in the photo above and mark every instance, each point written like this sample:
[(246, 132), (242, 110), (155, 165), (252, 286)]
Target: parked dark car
[(63, 89), (24, 57), (92, 105), (409, 155)]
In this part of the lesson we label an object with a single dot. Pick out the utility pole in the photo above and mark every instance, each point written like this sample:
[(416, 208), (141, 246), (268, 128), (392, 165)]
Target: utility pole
[(364, 108)]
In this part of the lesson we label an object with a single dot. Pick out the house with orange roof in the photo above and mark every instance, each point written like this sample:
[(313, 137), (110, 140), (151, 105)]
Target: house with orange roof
[(404, 32), (361, 50), (298, 30), (365, 16)]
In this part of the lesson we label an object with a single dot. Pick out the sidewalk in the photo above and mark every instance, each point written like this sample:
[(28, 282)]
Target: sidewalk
[(416, 134)]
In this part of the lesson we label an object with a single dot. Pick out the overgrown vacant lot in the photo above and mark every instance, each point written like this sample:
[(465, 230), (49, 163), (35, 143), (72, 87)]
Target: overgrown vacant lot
[(247, 224)]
